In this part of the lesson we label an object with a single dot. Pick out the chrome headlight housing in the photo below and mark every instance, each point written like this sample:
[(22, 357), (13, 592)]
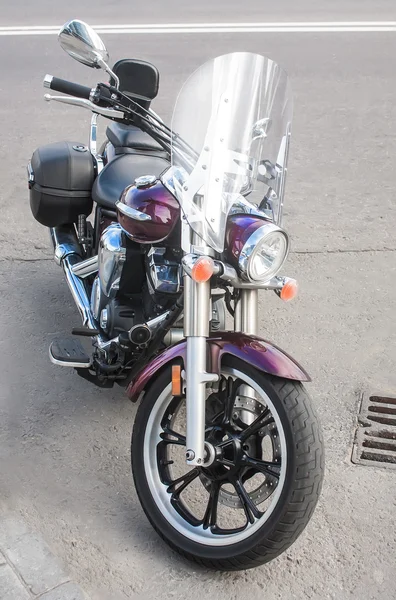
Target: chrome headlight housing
[(263, 253)]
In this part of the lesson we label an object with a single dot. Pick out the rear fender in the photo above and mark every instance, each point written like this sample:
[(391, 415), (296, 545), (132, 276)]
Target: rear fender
[(259, 353)]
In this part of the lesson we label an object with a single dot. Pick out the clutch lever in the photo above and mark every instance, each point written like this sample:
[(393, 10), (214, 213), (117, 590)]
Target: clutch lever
[(74, 101)]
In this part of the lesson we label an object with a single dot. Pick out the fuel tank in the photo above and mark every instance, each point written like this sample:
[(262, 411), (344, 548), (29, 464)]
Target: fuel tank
[(147, 211)]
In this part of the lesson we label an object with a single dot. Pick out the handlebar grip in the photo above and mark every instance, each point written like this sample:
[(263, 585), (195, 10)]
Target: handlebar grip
[(67, 87)]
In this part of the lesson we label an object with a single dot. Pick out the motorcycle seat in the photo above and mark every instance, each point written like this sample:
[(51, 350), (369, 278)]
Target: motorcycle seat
[(121, 172), (125, 137)]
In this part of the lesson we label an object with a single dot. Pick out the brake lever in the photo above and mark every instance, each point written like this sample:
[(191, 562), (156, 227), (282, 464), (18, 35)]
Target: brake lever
[(74, 101)]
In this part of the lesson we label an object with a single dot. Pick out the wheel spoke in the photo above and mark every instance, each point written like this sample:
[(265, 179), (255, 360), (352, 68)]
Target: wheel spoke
[(168, 436), (261, 421), (178, 485), (263, 466), (251, 511), (210, 517)]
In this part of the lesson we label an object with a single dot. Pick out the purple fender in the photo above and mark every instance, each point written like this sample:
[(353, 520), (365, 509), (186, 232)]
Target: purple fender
[(259, 353)]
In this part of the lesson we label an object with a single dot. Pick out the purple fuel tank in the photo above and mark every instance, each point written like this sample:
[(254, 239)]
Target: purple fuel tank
[(147, 196)]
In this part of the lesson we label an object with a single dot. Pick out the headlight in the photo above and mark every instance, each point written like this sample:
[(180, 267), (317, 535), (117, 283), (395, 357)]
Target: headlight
[(263, 253)]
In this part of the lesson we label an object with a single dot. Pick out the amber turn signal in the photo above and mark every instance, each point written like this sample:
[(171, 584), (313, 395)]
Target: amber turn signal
[(203, 269), (176, 380), (289, 290)]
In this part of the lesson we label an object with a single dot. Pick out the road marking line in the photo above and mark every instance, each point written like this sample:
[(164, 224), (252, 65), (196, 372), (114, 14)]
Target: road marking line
[(163, 28)]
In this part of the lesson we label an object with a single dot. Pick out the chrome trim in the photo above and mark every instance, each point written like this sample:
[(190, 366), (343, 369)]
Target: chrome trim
[(87, 267), (67, 254), (60, 363), (164, 275), (112, 255), (104, 317), (197, 308), (145, 181), (227, 273), (282, 281), (82, 43), (65, 243), (101, 62), (78, 292), (198, 246), (100, 110), (93, 143), (105, 345), (197, 312), (173, 336), (153, 324), (96, 296), (197, 378), (142, 327), (30, 172), (93, 134), (188, 261), (132, 213), (47, 81), (244, 206), (237, 316), (210, 454), (246, 312), (251, 244)]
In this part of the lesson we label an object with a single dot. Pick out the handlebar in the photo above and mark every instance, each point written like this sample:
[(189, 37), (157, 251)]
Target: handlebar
[(67, 87), (110, 102)]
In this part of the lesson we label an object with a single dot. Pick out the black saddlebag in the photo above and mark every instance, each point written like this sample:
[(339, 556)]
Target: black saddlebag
[(61, 176)]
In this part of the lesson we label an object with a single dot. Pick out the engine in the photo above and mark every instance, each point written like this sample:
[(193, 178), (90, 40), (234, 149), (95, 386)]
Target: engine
[(134, 283)]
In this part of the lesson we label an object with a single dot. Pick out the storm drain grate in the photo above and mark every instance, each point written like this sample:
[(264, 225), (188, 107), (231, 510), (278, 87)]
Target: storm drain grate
[(375, 436)]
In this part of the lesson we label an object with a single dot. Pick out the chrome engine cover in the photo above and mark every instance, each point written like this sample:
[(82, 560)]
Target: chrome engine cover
[(111, 259), (164, 275)]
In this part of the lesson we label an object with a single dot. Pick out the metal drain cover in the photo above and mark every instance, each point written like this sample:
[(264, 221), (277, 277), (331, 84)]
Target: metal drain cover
[(375, 437)]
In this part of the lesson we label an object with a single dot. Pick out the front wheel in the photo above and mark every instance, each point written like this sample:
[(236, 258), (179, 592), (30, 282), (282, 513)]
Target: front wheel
[(260, 486)]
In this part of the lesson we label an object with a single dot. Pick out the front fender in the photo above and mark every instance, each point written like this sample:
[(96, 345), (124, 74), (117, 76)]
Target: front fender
[(259, 353)]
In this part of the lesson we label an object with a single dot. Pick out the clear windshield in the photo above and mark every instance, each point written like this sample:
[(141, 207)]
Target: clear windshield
[(233, 116)]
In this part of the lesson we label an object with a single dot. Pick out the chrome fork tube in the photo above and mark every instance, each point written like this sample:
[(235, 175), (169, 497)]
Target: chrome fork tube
[(246, 312), (196, 399), (246, 321), (196, 308), (196, 330)]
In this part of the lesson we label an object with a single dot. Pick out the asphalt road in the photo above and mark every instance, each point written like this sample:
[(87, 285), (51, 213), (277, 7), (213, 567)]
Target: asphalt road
[(64, 445), (46, 12)]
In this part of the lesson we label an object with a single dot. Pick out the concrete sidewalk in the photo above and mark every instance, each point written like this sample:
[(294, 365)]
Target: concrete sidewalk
[(28, 568)]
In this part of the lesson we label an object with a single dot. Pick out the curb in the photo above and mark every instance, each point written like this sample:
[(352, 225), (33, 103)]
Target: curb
[(28, 568)]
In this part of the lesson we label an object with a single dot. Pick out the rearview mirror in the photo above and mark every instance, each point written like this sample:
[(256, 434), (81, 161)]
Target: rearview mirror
[(82, 43)]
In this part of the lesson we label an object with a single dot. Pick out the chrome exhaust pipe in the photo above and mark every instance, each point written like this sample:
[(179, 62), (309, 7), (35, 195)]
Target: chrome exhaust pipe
[(68, 254)]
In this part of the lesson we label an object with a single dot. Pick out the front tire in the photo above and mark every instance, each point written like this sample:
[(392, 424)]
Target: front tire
[(276, 497)]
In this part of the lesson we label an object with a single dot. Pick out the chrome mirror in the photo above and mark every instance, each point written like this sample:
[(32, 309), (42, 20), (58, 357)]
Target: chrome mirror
[(82, 43)]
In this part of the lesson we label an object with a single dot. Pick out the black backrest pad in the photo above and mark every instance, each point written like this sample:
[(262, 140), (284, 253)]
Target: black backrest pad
[(129, 136), (137, 77)]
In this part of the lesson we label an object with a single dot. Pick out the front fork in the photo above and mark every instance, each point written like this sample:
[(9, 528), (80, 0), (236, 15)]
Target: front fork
[(197, 315), (197, 311)]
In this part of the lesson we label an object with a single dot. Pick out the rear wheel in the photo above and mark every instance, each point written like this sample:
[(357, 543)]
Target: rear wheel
[(260, 489)]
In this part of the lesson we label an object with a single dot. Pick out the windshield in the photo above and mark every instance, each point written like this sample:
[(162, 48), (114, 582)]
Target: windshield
[(231, 130)]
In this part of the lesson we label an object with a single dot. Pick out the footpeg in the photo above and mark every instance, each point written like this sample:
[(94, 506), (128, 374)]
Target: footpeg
[(69, 352)]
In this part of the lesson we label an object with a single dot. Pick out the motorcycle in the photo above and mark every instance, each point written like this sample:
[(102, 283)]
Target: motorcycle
[(160, 233)]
